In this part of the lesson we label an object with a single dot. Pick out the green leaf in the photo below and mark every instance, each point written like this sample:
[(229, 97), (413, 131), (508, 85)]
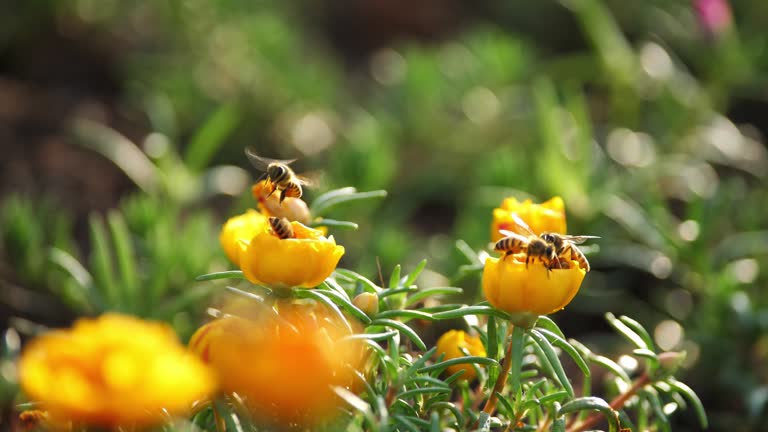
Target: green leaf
[(331, 285), (450, 406), (411, 278), (118, 149), (611, 366), (229, 274), (333, 223), (394, 291), (101, 263), (210, 136), (126, 263), (332, 194), (693, 399), (484, 422), (405, 423), (471, 310), (347, 305), (423, 390), (658, 408), (505, 403), (468, 252), (80, 275), (492, 338), (553, 397), (461, 360), (625, 331), (320, 208), (549, 351), (429, 292), (349, 274), (568, 348), (373, 336), (322, 298), (394, 278), (592, 404), (406, 313), (546, 322), (404, 329), (518, 347), (640, 330), (230, 418)]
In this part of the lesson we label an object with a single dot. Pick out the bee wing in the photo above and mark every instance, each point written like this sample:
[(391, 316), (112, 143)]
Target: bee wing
[(514, 235), (261, 162), (578, 239), (521, 223)]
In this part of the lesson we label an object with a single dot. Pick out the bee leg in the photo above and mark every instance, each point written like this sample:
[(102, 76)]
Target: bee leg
[(527, 258), (282, 195)]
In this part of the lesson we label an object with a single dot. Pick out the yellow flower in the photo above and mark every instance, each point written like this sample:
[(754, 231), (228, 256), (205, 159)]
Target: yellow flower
[(510, 286), (450, 344), (238, 231), (113, 370), (548, 216), (303, 261), (284, 361), (294, 209)]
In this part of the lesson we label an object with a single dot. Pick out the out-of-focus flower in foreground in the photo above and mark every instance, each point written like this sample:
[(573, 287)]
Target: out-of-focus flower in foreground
[(293, 209), (302, 261), (238, 231), (284, 361), (452, 342), (548, 216), (111, 371), (513, 287)]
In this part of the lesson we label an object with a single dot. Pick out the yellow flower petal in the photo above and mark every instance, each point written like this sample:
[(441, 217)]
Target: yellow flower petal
[(450, 344), (104, 372), (548, 216), (238, 231), (304, 261), (510, 286)]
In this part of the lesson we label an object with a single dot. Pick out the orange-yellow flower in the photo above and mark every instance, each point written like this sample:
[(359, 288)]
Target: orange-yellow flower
[(451, 343), (238, 231), (303, 261), (294, 209), (284, 360), (510, 286), (548, 216), (113, 370)]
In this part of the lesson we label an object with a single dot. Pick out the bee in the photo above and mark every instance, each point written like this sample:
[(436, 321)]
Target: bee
[(279, 175), (281, 227), (533, 245), (565, 247)]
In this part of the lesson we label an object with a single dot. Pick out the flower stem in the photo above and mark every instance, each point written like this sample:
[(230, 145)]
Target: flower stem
[(617, 403), (512, 364)]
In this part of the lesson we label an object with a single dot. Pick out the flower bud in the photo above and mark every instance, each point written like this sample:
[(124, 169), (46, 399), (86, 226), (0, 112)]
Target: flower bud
[(367, 302)]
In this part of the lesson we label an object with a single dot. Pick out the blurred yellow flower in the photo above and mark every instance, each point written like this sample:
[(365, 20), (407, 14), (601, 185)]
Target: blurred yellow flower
[(451, 343), (303, 261), (294, 209), (548, 216), (284, 361), (510, 286), (113, 370), (238, 231)]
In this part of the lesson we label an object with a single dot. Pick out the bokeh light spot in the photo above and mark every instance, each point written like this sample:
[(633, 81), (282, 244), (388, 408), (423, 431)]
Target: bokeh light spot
[(668, 334), (388, 67), (688, 230), (480, 105)]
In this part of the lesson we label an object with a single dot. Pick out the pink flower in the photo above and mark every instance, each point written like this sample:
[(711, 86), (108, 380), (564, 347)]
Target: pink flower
[(713, 15)]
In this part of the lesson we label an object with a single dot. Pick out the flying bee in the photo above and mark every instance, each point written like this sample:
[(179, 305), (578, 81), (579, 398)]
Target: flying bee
[(279, 175), (281, 227), (565, 247)]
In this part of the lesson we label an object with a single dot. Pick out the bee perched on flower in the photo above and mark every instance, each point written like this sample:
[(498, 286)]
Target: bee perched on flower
[(520, 285), (548, 216), (303, 260), (112, 371)]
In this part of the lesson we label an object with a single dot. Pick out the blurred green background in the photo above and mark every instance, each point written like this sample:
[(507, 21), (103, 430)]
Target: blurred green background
[(123, 125)]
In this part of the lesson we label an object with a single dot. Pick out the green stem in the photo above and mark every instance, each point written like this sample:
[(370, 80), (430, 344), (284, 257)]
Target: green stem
[(513, 361)]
